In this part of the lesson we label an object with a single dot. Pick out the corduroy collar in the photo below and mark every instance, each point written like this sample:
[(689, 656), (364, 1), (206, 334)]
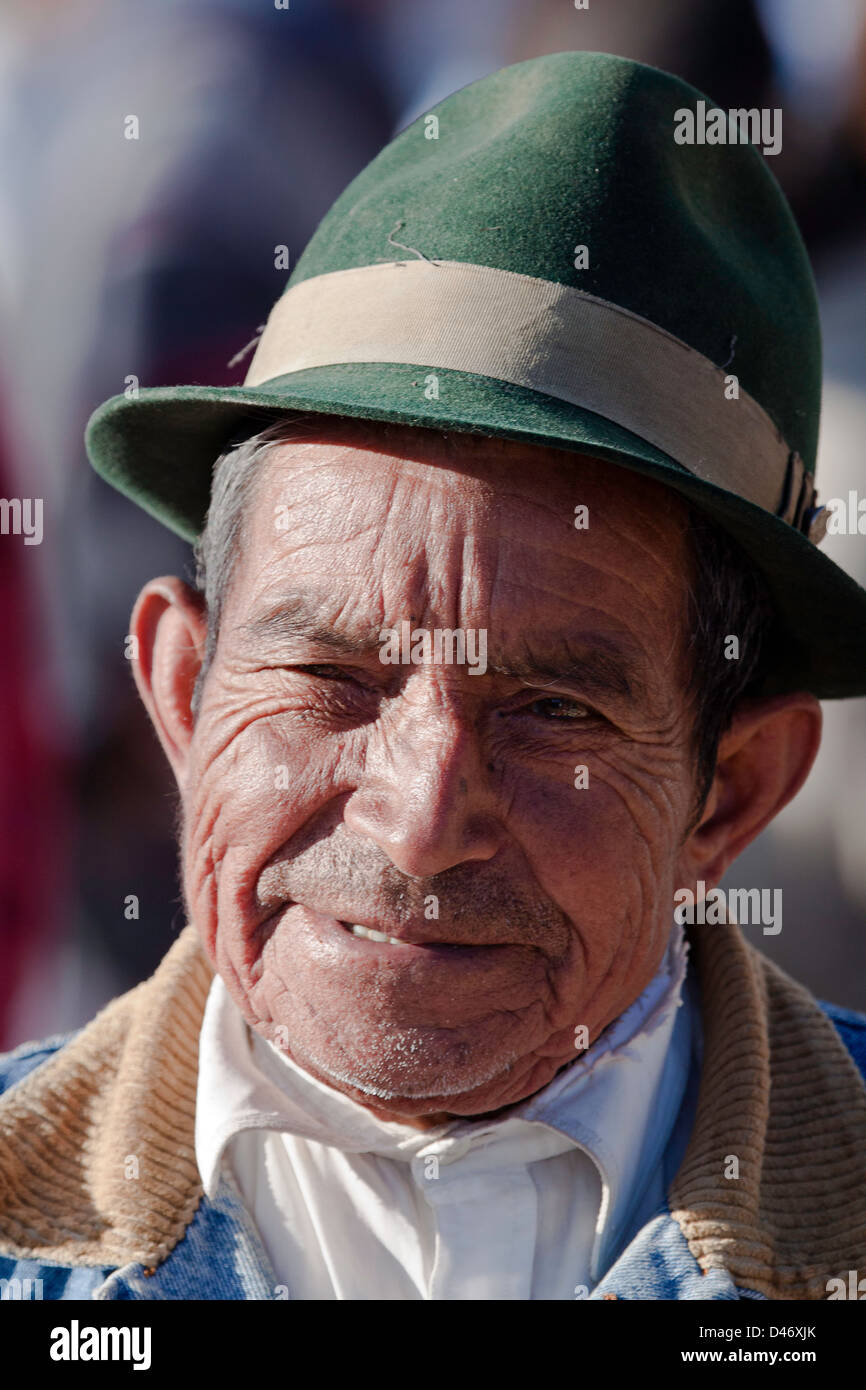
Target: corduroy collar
[(97, 1157)]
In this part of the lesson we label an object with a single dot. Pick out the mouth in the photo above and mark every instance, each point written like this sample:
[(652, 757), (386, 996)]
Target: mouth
[(371, 934), (362, 946), (361, 940)]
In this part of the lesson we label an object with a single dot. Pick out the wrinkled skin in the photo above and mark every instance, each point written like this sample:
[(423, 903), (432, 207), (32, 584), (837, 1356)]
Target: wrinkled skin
[(319, 786)]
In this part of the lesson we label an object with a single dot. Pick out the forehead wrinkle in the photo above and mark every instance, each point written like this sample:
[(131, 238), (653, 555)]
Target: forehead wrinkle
[(457, 589), (526, 607), (598, 578), (470, 542)]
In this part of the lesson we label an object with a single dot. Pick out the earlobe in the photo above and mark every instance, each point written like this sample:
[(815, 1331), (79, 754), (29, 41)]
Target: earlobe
[(169, 632), (763, 760)]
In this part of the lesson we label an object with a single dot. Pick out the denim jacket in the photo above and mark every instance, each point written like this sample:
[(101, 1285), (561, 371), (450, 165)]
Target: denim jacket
[(100, 1195)]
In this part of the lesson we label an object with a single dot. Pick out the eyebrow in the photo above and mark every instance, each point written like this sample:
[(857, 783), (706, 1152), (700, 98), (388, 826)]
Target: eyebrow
[(595, 663), (294, 619)]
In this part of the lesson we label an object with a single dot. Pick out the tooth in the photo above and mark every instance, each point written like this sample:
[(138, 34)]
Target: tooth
[(372, 935)]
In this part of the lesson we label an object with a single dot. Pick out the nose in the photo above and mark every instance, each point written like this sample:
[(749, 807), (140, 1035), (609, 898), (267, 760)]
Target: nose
[(426, 798)]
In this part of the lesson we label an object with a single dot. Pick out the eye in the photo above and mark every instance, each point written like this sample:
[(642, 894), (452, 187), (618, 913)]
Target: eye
[(558, 708), (324, 672)]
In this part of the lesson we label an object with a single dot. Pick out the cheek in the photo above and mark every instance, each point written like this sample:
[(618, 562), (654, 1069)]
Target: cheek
[(251, 788), (605, 850)]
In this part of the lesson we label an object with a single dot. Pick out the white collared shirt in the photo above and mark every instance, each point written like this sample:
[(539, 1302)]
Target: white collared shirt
[(534, 1204)]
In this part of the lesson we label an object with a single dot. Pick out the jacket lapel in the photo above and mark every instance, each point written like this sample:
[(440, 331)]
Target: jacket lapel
[(221, 1256), (97, 1158), (782, 1105)]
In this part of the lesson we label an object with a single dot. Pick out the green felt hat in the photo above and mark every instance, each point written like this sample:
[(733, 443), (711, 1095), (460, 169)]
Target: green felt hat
[(576, 251)]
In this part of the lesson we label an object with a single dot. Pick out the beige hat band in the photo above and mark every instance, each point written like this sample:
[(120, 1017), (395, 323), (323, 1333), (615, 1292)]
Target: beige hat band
[(549, 338)]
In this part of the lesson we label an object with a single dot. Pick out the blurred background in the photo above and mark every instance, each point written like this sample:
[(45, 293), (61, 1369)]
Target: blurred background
[(155, 258)]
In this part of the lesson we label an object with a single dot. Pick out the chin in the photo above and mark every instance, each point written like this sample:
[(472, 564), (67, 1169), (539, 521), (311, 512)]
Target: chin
[(413, 1075)]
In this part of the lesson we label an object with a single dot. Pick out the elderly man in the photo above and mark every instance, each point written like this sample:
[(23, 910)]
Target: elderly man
[(507, 637)]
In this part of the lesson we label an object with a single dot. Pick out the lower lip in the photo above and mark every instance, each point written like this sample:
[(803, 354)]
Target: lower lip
[(334, 934)]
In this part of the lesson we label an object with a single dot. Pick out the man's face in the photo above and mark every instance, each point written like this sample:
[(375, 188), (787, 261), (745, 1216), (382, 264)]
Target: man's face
[(442, 806)]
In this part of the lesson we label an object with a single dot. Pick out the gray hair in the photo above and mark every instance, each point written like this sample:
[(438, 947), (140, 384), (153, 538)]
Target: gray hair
[(727, 595), (215, 552)]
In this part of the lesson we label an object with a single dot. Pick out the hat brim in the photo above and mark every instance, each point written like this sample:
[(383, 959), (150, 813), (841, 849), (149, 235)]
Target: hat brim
[(159, 448)]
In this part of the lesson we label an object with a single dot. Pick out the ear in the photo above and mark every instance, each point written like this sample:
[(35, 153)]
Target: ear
[(763, 760), (169, 631)]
